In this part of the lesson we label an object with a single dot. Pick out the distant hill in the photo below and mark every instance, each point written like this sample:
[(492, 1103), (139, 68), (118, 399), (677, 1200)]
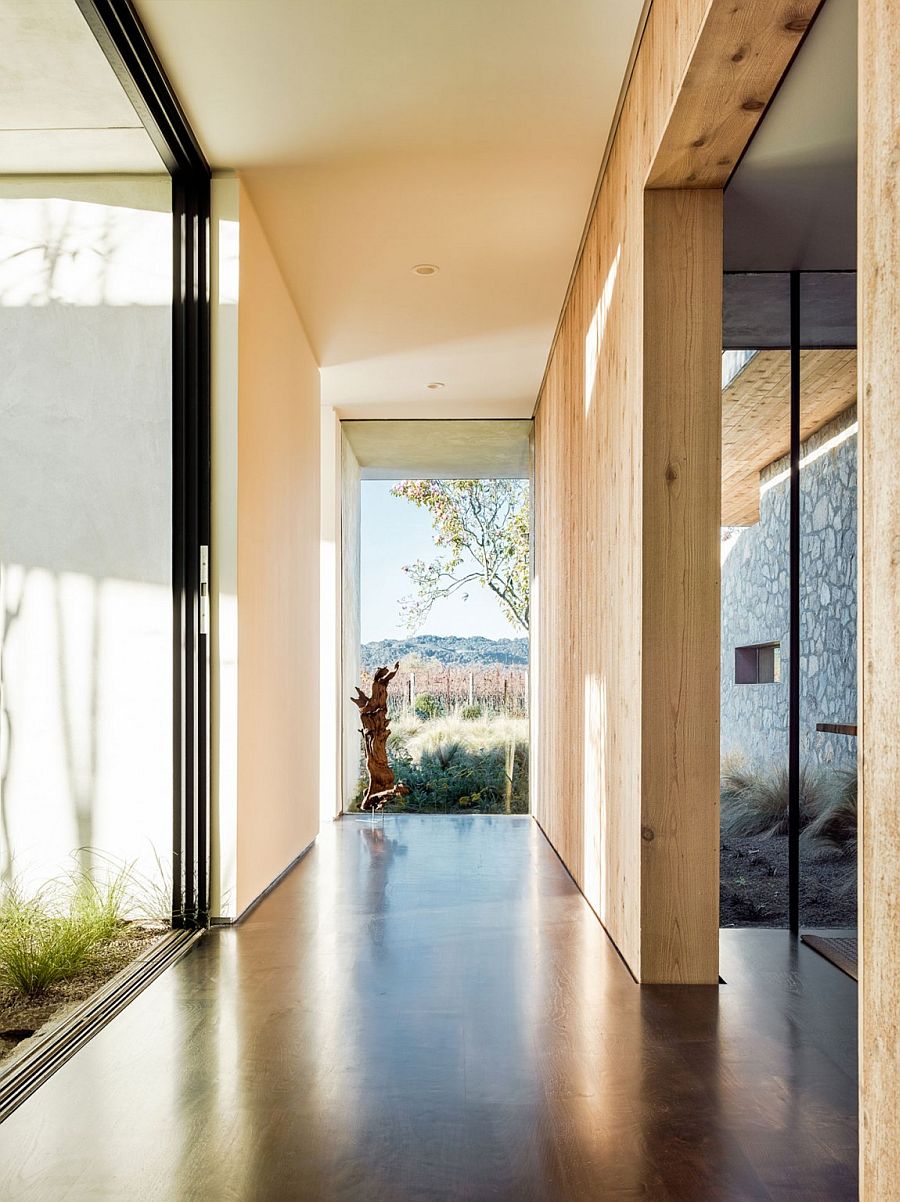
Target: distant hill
[(447, 650)]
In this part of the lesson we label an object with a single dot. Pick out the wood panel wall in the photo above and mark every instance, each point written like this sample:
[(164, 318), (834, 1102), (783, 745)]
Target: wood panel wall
[(879, 408), (681, 476), (626, 482)]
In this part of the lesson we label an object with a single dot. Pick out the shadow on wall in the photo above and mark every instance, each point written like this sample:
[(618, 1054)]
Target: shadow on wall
[(85, 523)]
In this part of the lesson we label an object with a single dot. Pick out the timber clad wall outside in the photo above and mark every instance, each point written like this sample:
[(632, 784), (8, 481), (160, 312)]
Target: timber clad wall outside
[(627, 477), (879, 650)]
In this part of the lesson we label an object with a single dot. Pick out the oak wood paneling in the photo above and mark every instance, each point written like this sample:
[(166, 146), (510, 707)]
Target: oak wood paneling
[(879, 398), (682, 440), (599, 554), (588, 447), (742, 52), (756, 418)]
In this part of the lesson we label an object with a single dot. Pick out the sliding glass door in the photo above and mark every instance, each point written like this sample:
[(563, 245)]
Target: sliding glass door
[(104, 462), (789, 604)]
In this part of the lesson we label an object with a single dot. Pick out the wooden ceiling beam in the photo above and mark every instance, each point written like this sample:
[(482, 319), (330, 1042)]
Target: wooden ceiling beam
[(742, 53)]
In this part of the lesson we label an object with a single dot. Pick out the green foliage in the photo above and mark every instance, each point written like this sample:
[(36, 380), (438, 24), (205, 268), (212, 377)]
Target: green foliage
[(427, 706), (458, 765), (42, 943), (482, 533), (146, 897), (57, 932), (470, 713)]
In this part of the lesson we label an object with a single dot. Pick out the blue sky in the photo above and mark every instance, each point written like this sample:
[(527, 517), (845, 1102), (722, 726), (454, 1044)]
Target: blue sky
[(395, 532)]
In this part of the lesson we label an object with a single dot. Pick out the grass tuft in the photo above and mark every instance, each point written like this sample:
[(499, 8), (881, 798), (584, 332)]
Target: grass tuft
[(835, 825), (757, 804), (54, 934), (38, 947)]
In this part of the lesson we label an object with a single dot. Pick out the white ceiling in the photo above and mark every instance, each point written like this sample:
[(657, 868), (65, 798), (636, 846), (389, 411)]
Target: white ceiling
[(792, 201), (375, 136), (62, 110)]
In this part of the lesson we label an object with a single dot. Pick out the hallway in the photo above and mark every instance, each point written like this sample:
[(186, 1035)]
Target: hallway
[(426, 1009)]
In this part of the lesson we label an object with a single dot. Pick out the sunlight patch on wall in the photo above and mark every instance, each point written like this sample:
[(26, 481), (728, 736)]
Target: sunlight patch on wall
[(596, 331), (850, 432)]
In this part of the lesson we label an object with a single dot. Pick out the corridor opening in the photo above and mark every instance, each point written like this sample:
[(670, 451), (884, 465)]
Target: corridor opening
[(436, 575)]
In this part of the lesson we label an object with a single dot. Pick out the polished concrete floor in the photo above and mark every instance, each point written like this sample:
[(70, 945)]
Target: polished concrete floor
[(427, 1011)]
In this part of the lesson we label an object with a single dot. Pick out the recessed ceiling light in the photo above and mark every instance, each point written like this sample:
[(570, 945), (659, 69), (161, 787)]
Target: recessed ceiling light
[(436, 384), (426, 268)]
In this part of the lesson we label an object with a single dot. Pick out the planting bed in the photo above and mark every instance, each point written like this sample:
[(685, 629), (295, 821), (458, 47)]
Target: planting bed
[(21, 1017), (754, 884)]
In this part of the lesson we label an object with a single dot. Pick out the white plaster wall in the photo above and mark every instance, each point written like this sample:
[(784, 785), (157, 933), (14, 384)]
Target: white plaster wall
[(278, 540), (350, 625), (225, 286), (85, 523), (331, 706)]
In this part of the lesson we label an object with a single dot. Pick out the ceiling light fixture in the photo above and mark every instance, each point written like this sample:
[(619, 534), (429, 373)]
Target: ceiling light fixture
[(436, 384), (426, 268)]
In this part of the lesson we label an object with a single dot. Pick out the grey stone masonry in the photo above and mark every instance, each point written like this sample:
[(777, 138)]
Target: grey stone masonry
[(755, 608)]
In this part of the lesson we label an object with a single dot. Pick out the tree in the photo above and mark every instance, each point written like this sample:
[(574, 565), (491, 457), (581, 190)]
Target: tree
[(482, 535)]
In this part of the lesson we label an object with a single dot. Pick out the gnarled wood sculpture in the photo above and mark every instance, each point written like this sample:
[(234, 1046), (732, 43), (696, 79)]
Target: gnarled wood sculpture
[(375, 730)]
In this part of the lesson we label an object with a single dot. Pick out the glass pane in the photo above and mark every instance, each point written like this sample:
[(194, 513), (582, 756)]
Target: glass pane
[(828, 571), (443, 584), (755, 605), (85, 524)]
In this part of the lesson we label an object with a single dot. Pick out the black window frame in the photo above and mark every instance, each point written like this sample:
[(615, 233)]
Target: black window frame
[(123, 39), (753, 664)]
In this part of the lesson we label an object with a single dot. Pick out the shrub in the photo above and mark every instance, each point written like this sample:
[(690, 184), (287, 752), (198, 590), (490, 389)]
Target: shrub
[(835, 824), (454, 763), (426, 706), (754, 803), (470, 713)]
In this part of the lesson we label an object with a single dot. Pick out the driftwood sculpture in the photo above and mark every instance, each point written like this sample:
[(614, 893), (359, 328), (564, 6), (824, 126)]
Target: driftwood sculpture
[(375, 730)]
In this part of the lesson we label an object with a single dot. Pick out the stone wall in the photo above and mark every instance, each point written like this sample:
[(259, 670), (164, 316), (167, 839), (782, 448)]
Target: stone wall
[(755, 608)]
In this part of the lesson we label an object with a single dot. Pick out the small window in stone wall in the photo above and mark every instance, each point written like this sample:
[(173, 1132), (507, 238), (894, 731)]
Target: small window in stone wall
[(759, 664)]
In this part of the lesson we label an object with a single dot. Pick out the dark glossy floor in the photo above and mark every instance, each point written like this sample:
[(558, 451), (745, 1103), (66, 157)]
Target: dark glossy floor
[(429, 1011)]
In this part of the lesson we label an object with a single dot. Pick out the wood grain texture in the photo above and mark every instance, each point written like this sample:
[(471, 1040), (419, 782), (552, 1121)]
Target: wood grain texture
[(681, 457), (879, 397), (743, 49), (592, 533), (756, 418), (588, 447)]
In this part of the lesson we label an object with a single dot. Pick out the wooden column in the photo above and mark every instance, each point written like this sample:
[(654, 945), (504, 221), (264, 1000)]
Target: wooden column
[(682, 438), (879, 593), (627, 447)]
